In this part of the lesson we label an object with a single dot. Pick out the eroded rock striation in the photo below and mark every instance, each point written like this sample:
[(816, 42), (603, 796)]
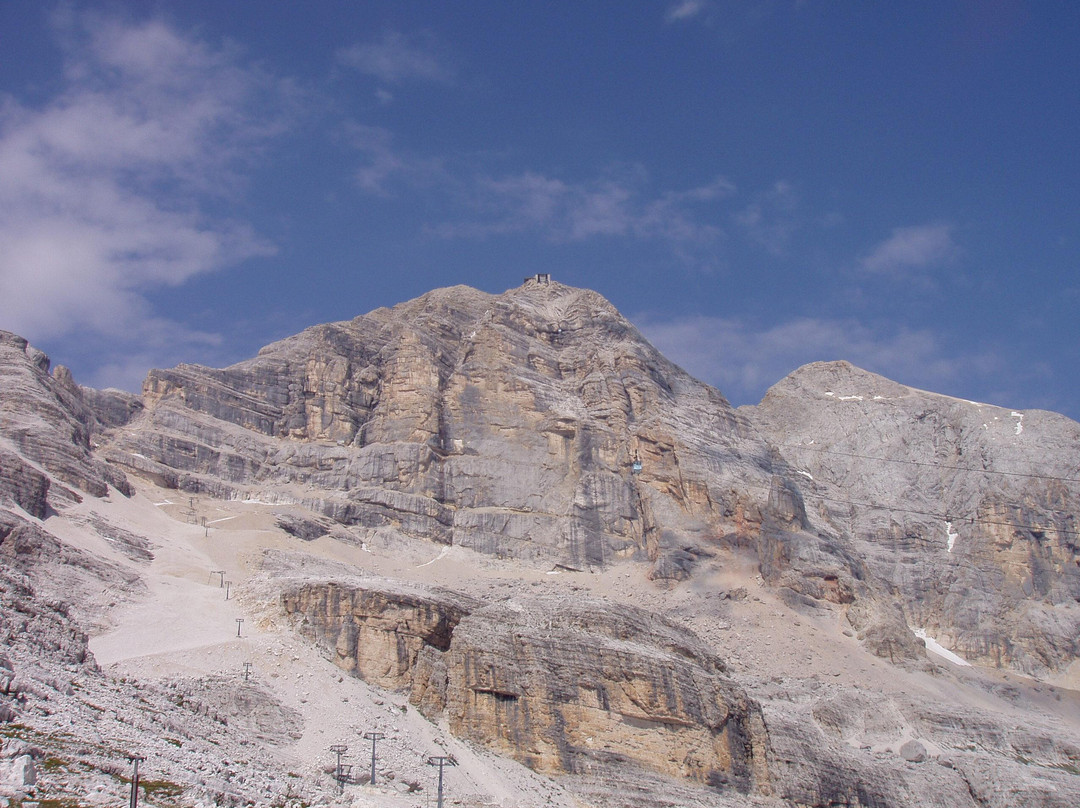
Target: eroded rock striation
[(45, 429), (538, 425), (509, 424), (558, 685), (539, 429)]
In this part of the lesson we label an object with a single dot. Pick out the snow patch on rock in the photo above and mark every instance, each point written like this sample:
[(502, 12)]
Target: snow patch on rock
[(934, 647)]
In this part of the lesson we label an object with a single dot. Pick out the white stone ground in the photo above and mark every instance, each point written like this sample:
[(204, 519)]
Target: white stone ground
[(182, 625)]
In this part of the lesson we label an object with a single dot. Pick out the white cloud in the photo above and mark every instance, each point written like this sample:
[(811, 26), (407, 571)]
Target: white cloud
[(743, 358), (911, 249), (376, 144), (104, 188), (575, 211), (684, 10), (396, 58), (620, 204), (530, 199)]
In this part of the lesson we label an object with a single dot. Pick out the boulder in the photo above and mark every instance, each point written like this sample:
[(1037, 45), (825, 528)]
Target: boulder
[(913, 752), (17, 774)]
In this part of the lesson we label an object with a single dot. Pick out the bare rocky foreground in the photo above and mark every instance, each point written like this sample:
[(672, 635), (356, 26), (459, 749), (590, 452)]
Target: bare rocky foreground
[(505, 529)]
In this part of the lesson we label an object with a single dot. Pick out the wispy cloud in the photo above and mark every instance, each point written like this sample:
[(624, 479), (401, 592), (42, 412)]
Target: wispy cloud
[(910, 250), (102, 187), (771, 219), (386, 168), (396, 58), (573, 211), (743, 358), (685, 10)]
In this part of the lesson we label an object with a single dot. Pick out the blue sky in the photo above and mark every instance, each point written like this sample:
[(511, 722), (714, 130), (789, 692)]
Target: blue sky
[(756, 185)]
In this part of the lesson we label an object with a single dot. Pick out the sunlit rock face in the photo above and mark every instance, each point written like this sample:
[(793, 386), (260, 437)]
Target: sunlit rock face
[(509, 424), (967, 511), (376, 631), (555, 683), (538, 425), (540, 430)]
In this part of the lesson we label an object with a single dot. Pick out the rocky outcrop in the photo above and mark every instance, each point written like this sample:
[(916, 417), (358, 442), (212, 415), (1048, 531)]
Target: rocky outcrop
[(509, 424), (967, 512), (557, 685), (111, 408), (45, 429), (32, 621), (539, 425), (23, 485), (50, 591), (246, 707), (376, 631)]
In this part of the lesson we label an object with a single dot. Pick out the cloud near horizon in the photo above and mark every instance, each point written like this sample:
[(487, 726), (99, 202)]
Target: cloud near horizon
[(107, 188), (574, 211), (743, 359), (771, 219), (620, 203)]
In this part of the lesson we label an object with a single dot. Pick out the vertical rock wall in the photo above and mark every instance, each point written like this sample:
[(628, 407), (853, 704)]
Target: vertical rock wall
[(558, 686)]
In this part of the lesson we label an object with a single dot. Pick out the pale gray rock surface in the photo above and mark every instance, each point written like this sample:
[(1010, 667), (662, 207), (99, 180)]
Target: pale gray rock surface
[(45, 429), (464, 434), (17, 774), (508, 424), (111, 408), (968, 512), (836, 745)]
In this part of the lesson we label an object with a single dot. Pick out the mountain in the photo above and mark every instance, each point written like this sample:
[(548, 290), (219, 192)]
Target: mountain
[(968, 512), (504, 528), (45, 427), (507, 424)]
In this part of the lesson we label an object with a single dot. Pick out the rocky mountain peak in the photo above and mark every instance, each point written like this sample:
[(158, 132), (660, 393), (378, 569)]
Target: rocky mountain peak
[(507, 423), (513, 514), (838, 380), (941, 495)]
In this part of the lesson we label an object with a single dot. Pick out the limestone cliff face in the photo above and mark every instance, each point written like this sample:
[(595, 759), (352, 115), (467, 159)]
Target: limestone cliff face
[(967, 511), (376, 632), (45, 429), (504, 423), (557, 685)]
